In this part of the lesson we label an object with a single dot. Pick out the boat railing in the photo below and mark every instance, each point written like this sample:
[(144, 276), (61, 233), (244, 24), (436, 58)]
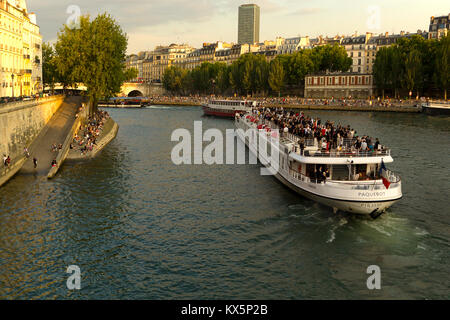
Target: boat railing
[(393, 177), (346, 143), (346, 154), (375, 184), (348, 150), (299, 176)]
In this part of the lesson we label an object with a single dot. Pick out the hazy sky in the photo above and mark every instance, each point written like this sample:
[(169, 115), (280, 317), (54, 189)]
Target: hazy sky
[(149, 23)]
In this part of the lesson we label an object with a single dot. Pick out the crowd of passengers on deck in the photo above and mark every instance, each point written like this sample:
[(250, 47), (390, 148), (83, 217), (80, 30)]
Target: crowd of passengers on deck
[(326, 135)]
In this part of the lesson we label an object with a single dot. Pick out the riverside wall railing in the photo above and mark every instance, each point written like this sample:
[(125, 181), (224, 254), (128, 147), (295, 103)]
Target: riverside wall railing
[(10, 106)]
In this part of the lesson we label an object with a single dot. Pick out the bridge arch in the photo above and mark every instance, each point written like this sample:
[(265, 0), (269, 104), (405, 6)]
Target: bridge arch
[(135, 93)]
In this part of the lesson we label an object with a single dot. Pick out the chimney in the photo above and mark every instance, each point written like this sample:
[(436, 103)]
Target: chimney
[(32, 17)]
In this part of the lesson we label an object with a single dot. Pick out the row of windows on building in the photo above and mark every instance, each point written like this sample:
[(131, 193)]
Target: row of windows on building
[(10, 24), (361, 54), (339, 80)]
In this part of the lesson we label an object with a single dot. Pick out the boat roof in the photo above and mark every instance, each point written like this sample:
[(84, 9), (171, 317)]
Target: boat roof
[(217, 100), (341, 159)]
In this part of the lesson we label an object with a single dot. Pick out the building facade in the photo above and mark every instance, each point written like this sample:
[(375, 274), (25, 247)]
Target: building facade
[(248, 27), (209, 53), (291, 45), (339, 85), (151, 65), (20, 50), (356, 47), (375, 43), (439, 27), (229, 55)]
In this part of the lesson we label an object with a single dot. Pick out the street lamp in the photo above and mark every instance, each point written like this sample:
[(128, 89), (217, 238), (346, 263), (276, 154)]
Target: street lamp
[(12, 89)]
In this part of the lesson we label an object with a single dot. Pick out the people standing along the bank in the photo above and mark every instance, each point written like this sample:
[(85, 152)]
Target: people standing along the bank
[(54, 163), (35, 162), (5, 160)]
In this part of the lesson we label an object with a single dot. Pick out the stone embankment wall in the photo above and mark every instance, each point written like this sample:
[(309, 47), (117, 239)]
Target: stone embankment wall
[(20, 124)]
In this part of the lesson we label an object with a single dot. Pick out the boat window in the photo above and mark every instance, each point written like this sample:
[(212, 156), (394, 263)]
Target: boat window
[(310, 170), (361, 171), (340, 172)]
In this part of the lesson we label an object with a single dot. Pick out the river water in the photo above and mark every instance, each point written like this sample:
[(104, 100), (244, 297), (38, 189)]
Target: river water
[(140, 227)]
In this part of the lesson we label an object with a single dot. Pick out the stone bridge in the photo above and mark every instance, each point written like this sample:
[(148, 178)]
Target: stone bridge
[(128, 89), (132, 89)]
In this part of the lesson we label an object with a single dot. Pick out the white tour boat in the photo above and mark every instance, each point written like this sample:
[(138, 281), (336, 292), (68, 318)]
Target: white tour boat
[(357, 182), (433, 108), (227, 108)]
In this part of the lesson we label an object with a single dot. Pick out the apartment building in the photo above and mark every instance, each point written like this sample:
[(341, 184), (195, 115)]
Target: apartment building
[(20, 50)]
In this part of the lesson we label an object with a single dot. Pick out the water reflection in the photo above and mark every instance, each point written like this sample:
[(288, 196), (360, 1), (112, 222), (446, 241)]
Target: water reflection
[(140, 227)]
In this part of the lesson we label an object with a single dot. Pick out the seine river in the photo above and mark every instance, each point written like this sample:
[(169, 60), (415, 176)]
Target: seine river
[(140, 227)]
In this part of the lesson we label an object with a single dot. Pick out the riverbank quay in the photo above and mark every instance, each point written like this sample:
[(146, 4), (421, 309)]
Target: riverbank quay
[(62, 154), (373, 105), (177, 104), (109, 133), (7, 173), (47, 147), (21, 124), (400, 109)]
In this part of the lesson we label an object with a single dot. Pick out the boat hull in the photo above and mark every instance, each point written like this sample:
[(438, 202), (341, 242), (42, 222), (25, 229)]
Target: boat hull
[(224, 113), (372, 207), (436, 111), (356, 207)]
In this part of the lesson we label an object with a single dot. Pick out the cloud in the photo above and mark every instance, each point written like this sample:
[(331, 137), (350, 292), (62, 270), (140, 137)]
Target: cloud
[(140, 14), (307, 11), (131, 14)]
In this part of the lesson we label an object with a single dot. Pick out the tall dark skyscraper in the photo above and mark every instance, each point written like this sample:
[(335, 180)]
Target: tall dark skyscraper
[(248, 28)]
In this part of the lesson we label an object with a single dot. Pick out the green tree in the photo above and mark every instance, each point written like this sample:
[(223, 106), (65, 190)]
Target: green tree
[(173, 79), (247, 76), (299, 65), (276, 76), (234, 77), (223, 79), (397, 69), (443, 64), (49, 71), (130, 74), (332, 58), (413, 69), (382, 69), (94, 55)]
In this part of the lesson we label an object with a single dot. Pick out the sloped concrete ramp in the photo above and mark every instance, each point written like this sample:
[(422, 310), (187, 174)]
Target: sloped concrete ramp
[(55, 132)]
